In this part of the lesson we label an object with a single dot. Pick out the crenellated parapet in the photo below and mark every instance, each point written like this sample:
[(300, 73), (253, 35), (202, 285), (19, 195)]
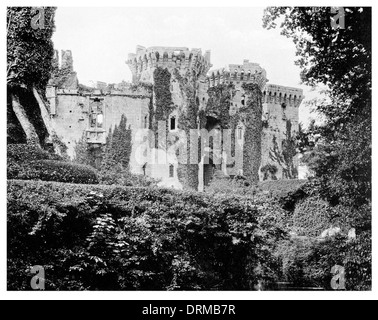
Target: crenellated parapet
[(245, 73), (183, 59), (276, 94)]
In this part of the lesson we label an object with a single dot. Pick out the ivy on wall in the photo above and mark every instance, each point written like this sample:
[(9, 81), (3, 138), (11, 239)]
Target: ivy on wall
[(163, 100), (188, 119), (218, 104), (251, 116), (163, 96), (285, 156)]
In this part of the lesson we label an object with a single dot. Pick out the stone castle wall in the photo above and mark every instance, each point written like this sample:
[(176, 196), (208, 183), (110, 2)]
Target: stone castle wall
[(267, 140)]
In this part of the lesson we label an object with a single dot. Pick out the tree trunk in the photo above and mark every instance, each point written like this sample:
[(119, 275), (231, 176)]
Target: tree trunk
[(47, 121), (27, 126), (44, 113)]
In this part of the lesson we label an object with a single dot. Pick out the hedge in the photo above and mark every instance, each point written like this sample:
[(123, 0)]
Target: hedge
[(22, 153), (29, 162), (117, 238)]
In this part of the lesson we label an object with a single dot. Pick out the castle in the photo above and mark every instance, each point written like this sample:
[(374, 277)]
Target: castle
[(173, 91)]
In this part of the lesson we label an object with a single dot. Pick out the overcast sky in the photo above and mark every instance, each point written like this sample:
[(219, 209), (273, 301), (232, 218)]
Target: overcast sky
[(100, 39)]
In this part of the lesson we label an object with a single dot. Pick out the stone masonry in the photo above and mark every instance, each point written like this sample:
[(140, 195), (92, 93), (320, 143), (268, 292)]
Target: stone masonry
[(263, 116)]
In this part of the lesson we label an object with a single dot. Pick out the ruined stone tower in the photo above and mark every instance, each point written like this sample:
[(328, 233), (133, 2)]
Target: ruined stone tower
[(178, 76), (173, 92)]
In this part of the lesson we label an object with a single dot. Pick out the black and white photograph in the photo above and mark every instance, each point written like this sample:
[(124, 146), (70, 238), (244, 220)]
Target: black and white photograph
[(190, 149)]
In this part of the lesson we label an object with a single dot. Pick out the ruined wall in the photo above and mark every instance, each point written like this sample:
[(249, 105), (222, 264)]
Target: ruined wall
[(71, 118), (280, 125), (184, 69), (242, 112), (173, 83)]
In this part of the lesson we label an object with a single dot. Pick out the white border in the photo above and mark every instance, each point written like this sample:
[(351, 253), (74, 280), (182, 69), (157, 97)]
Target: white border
[(146, 295)]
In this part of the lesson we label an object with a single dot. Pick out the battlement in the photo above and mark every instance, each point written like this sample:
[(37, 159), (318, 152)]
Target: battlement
[(181, 58), (282, 95), (247, 73)]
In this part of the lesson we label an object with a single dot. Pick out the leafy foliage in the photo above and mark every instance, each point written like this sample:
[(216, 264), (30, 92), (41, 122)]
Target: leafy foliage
[(342, 158), (26, 152), (116, 238), (118, 146), (29, 162), (121, 176), (340, 59), (29, 51), (311, 217), (51, 170)]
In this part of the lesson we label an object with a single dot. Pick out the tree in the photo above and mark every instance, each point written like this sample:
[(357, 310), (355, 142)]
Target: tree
[(340, 59), (118, 147), (29, 62)]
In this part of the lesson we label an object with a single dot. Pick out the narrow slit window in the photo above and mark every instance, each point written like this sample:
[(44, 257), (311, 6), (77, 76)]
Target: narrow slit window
[(240, 133), (173, 124), (171, 171), (243, 100)]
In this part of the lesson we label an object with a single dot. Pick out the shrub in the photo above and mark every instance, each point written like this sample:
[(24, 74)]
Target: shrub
[(311, 217), (117, 175), (236, 186), (307, 260), (29, 162), (114, 238), (281, 188), (50, 170), (21, 153)]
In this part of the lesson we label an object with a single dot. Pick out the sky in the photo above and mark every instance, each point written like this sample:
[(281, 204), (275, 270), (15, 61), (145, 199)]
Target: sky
[(100, 39)]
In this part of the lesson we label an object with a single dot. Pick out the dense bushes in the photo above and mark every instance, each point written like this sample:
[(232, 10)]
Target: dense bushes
[(50, 170), (120, 176), (29, 162), (111, 237), (28, 152), (239, 185), (311, 217), (307, 258)]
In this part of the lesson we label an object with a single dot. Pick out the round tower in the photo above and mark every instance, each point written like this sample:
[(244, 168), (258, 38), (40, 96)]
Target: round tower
[(176, 74), (145, 60)]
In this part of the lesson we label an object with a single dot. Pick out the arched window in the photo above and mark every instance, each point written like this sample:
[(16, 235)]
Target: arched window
[(171, 171)]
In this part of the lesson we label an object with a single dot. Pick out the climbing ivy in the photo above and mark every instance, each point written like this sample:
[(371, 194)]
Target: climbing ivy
[(285, 156), (163, 100), (219, 101), (251, 116), (218, 106), (188, 119), (163, 95)]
